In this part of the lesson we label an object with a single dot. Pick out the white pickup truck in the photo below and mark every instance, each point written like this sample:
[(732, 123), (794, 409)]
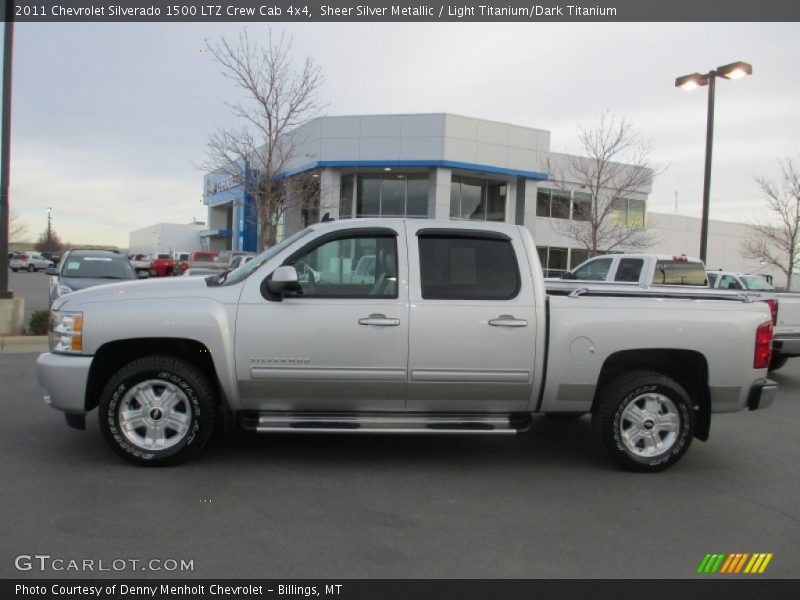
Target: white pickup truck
[(786, 341), (634, 269), (452, 333)]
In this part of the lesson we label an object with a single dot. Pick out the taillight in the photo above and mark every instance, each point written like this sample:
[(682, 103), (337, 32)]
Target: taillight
[(773, 309), (763, 352)]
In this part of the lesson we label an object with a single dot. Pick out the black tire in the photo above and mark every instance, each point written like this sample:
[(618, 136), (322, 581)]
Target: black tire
[(777, 362), (564, 416), (15, 270), (31, 269), (666, 406), (194, 411)]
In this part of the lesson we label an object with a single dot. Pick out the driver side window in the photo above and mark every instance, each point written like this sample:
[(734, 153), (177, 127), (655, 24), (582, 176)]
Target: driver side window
[(349, 267), (594, 270)]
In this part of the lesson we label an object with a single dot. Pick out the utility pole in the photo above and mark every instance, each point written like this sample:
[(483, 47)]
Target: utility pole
[(5, 147)]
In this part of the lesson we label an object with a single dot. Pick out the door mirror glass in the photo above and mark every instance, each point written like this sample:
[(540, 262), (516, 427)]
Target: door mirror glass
[(52, 271)]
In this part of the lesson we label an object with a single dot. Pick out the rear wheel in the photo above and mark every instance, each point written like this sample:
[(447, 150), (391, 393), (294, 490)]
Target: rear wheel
[(777, 362), (157, 410), (644, 421), (15, 270)]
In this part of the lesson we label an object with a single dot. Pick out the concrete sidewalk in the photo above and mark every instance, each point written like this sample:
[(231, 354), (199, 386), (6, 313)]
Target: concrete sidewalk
[(19, 344)]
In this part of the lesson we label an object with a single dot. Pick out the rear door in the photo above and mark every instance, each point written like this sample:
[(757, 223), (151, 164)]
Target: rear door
[(471, 344)]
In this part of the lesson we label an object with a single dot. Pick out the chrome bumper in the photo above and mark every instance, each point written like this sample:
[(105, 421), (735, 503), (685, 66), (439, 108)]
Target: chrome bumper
[(63, 381), (786, 345), (762, 393)]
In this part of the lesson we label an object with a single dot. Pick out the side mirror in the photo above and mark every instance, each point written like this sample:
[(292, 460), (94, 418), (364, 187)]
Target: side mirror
[(283, 279), (143, 274), (52, 271)]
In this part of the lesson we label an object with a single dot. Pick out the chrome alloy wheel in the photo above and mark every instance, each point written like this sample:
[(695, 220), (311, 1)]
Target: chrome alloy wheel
[(154, 415), (649, 425)]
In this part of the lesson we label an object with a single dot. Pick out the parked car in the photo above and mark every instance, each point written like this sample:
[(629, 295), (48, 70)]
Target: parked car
[(634, 269), (239, 260), (198, 260), (786, 341), (454, 333), (30, 261), (140, 262), (82, 269), (162, 265)]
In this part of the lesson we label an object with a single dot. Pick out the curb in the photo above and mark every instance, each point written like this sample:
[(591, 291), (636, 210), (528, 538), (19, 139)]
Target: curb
[(19, 344)]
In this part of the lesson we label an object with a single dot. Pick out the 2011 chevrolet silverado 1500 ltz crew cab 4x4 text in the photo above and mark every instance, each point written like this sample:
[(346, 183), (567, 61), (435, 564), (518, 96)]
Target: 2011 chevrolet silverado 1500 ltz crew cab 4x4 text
[(452, 332)]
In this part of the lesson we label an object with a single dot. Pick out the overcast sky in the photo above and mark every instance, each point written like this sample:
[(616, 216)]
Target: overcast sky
[(109, 119)]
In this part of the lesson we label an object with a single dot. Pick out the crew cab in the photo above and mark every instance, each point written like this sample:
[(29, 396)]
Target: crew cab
[(452, 333), (786, 341)]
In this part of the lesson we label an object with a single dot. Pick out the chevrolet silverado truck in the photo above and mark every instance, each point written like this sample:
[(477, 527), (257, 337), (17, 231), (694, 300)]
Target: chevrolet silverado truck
[(786, 337), (452, 333)]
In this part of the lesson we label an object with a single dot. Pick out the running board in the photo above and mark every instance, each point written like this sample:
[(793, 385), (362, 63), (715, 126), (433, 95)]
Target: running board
[(267, 422)]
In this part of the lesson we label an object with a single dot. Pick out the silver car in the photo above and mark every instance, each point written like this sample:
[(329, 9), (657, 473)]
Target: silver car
[(30, 261)]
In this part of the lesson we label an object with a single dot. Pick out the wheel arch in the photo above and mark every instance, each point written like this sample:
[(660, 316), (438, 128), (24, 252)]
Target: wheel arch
[(687, 367), (112, 356)]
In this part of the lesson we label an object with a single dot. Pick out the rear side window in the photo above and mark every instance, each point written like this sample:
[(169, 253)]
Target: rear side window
[(629, 269), (464, 268), (675, 272)]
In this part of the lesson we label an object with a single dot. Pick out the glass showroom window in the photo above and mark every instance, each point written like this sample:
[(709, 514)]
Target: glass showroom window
[(628, 212), (581, 206), (477, 199), (553, 203), (384, 195)]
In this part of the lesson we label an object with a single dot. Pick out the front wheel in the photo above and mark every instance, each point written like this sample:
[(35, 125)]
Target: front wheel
[(157, 410), (644, 421), (31, 269)]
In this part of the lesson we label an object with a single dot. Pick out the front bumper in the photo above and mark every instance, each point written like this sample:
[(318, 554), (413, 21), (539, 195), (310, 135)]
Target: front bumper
[(63, 381), (762, 394)]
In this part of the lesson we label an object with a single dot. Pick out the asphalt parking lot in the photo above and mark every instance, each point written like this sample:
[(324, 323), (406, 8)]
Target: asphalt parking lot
[(545, 504)]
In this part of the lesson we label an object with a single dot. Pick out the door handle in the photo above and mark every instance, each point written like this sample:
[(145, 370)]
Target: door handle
[(508, 321), (379, 320)]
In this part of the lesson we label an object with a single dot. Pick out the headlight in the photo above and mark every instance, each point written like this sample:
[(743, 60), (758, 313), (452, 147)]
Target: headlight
[(63, 289), (66, 332)]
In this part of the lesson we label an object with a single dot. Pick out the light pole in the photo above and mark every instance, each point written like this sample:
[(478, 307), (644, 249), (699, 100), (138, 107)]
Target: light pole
[(736, 70), (49, 226)]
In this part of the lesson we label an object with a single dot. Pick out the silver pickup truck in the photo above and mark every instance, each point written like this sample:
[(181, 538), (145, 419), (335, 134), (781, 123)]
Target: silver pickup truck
[(451, 333)]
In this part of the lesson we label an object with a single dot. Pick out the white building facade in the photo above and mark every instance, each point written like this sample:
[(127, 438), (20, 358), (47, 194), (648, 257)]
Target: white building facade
[(165, 237), (446, 166)]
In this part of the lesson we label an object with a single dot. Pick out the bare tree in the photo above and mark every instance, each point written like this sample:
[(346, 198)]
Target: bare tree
[(49, 241), (16, 228), (615, 166), (774, 238), (278, 98)]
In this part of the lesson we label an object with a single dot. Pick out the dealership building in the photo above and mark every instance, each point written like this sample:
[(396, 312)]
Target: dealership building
[(444, 166)]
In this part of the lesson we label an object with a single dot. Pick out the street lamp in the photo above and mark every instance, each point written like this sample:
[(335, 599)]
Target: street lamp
[(49, 227), (736, 70)]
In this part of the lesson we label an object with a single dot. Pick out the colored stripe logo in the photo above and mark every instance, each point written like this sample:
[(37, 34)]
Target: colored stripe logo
[(736, 563)]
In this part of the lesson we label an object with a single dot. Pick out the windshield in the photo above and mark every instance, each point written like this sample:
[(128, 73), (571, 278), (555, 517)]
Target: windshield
[(243, 271), (98, 267), (755, 283)]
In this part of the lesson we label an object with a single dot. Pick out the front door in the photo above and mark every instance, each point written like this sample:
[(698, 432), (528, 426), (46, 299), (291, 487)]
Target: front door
[(340, 345)]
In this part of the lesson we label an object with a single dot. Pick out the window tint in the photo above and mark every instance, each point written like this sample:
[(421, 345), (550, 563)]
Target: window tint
[(629, 269), (454, 268), (712, 279), (753, 282), (594, 270), (353, 267), (728, 282), (670, 272), (98, 267)]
